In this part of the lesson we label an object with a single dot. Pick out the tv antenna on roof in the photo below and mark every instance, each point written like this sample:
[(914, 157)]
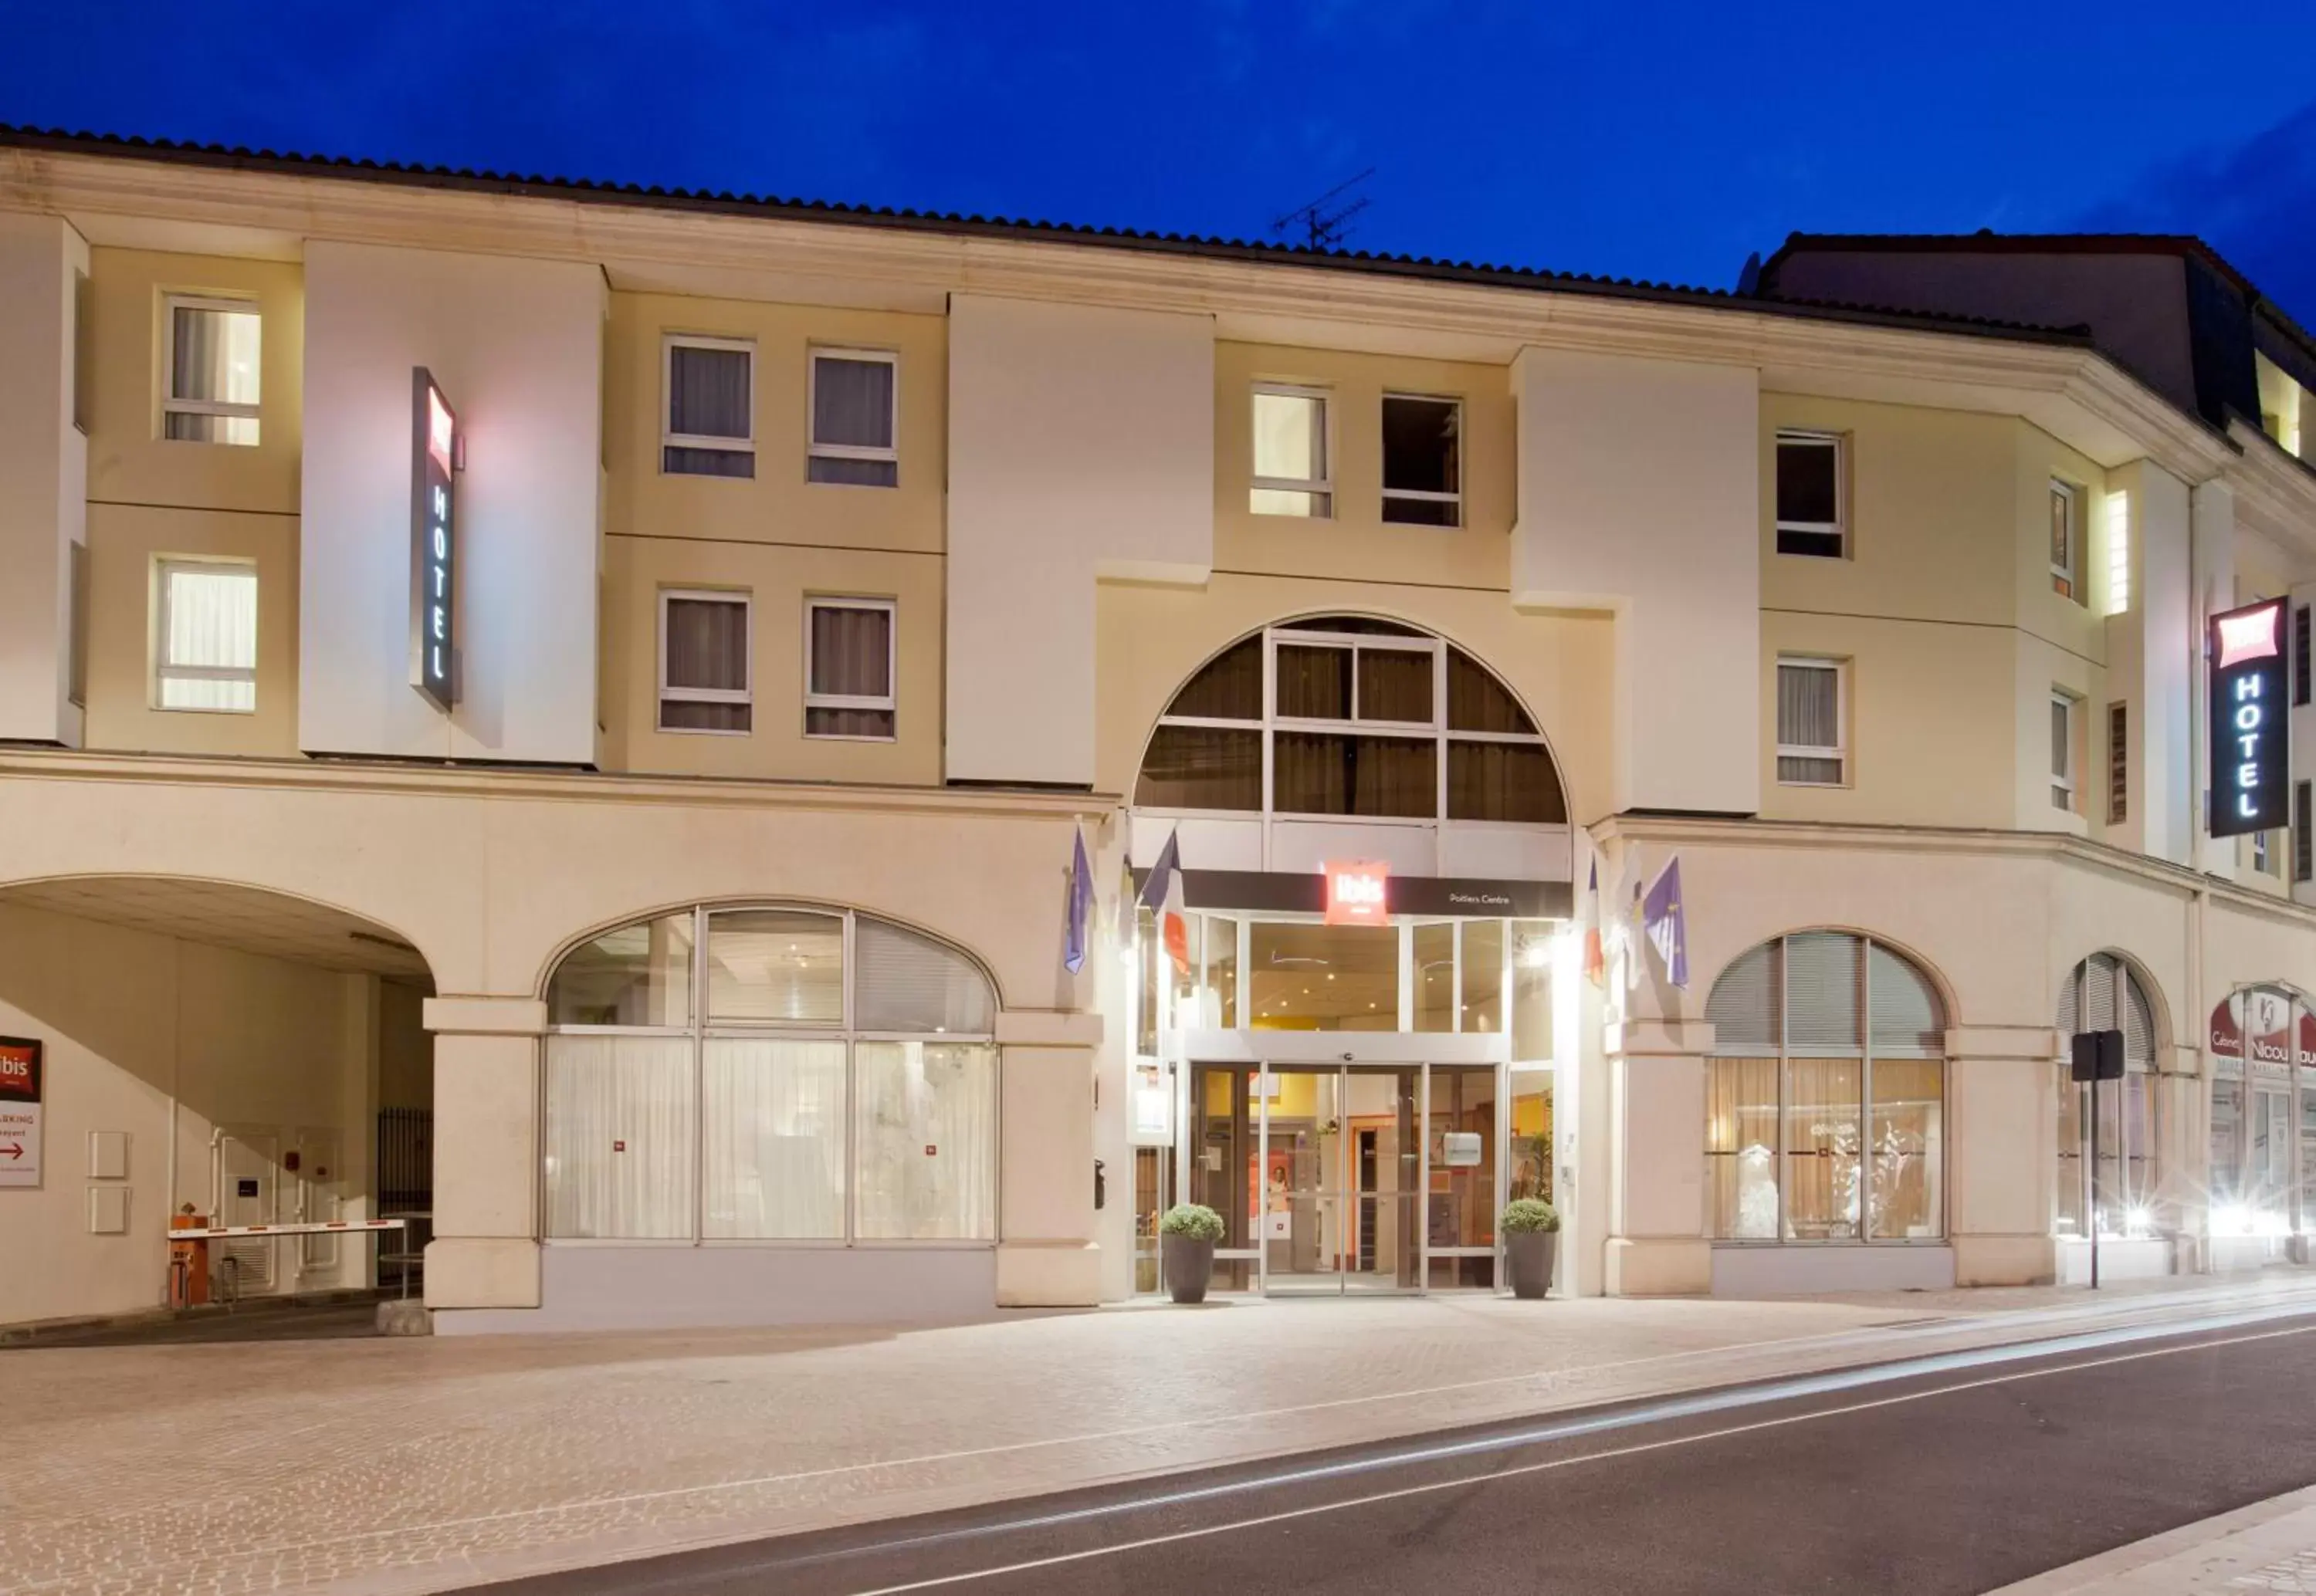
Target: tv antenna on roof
[(1323, 228)]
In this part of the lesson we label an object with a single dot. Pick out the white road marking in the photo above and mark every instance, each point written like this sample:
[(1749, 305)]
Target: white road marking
[(1287, 1515)]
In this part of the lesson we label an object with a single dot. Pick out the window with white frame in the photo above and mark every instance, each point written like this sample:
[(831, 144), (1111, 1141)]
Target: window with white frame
[(1812, 711), (848, 669), (705, 652), (709, 428), (855, 417), (2103, 993), (2062, 752), (2067, 541), (1292, 473), (768, 1073), (205, 635), (1351, 716), (210, 383), (1422, 460), (1811, 518)]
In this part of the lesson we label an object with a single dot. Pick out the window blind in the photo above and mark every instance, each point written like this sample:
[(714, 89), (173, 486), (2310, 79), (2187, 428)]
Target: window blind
[(905, 982), (1903, 1011), (1821, 992), (1743, 1006)]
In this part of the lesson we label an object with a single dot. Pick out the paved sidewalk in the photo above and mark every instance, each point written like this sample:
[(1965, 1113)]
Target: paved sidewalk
[(2269, 1546), (406, 1466)]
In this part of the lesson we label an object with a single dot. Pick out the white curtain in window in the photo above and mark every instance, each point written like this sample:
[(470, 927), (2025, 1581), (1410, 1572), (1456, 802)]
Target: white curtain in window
[(708, 643), (927, 1141), (772, 1139), (1290, 436), (214, 355), (619, 1152), (1809, 715), (852, 402), (211, 615), (708, 392), (852, 652)]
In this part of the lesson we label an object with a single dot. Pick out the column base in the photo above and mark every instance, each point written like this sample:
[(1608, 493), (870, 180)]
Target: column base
[(482, 1272), (1667, 1267), (2004, 1260), (1048, 1274)]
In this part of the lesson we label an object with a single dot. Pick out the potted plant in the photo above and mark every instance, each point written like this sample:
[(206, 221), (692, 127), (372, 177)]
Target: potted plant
[(1186, 1239), (1531, 1228)]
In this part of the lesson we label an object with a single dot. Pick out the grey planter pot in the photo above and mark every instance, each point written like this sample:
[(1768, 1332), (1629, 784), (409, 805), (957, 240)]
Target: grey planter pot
[(1530, 1256), (1189, 1262)]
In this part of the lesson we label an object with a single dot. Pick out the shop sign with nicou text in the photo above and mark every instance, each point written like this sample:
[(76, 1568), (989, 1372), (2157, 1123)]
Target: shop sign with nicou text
[(2251, 716), (434, 448)]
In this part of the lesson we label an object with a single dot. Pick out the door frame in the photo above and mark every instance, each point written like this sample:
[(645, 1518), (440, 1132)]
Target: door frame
[(1345, 1196)]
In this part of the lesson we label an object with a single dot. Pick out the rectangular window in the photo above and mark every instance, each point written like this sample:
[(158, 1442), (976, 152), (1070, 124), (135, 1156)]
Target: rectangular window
[(709, 427), (1811, 715), (205, 637), (1810, 518), (619, 1143), (855, 419), (1422, 460), (705, 650), (2263, 856), (2300, 653), (2118, 764), (926, 1139), (1291, 468), (848, 669), (210, 389), (2303, 832), (2062, 752), (772, 1139), (2067, 540), (83, 350)]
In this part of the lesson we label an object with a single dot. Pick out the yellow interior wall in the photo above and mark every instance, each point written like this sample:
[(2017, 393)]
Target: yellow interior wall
[(778, 505), (1356, 542), (778, 577), (124, 544), (128, 460)]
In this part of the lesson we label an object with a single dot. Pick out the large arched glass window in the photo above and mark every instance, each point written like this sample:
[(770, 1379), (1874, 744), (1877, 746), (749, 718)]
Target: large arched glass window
[(771, 1074), (2103, 993), (1825, 1097), (1345, 715)]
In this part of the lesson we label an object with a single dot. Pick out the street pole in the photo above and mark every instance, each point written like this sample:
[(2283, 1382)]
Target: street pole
[(2094, 1201)]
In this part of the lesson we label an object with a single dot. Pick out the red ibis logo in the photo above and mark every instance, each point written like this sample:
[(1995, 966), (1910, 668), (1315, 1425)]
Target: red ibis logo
[(1356, 893)]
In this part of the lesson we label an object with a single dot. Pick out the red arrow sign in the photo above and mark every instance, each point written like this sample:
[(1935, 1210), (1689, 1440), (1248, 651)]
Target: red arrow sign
[(13, 1149)]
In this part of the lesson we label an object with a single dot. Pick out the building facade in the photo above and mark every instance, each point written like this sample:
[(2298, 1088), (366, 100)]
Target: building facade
[(565, 713)]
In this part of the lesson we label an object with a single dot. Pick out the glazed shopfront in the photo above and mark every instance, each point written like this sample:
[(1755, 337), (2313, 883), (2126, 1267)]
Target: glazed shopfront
[(1355, 1065)]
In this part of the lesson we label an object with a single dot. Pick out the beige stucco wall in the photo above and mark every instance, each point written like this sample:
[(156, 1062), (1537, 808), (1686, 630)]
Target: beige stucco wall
[(128, 460), (126, 544), (131, 1022), (1150, 640), (1356, 542)]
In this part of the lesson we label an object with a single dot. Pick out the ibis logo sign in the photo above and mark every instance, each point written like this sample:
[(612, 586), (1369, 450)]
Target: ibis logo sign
[(435, 451), (20, 1111), (2251, 717), (1356, 893)]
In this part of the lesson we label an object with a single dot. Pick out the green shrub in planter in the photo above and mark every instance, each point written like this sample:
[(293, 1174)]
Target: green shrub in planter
[(1197, 1221), (1186, 1244), (1531, 1228), (1522, 1214)]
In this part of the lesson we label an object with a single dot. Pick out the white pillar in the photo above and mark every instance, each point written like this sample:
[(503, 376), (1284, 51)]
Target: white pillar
[(486, 1248), (44, 471), (1657, 1246), (2002, 1153), (1047, 1254)]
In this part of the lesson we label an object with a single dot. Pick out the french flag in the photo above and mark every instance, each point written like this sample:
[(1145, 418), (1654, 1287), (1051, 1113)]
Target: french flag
[(1163, 894)]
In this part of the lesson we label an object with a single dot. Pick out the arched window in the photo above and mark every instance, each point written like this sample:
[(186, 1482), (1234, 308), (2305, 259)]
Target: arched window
[(2103, 993), (771, 1074), (1825, 1097), (1345, 715)]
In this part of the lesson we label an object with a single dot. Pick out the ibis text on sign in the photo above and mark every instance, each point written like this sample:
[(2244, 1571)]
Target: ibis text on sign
[(1356, 893), (2251, 717), (433, 541)]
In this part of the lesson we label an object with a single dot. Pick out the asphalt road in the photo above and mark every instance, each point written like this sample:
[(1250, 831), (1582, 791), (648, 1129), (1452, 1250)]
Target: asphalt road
[(1950, 1475)]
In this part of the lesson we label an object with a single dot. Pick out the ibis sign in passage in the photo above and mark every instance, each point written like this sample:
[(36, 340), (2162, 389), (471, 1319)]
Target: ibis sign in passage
[(2251, 763), (20, 1111), (433, 541)]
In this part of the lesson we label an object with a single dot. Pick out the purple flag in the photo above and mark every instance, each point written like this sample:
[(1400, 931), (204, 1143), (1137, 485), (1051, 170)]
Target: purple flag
[(1073, 950), (1667, 923)]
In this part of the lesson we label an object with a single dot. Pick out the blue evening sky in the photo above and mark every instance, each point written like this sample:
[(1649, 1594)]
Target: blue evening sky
[(1663, 141)]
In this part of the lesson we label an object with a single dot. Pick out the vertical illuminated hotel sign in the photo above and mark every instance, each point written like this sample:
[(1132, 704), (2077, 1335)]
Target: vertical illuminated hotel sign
[(2252, 765), (434, 449)]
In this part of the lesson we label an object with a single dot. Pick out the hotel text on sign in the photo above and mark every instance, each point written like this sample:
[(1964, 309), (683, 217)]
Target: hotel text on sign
[(433, 541), (2251, 715), (1356, 893)]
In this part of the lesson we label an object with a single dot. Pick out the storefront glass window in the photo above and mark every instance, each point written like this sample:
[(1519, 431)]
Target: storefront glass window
[(1532, 944), (1482, 963), (2102, 993), (1435, 976), (738, 1129), (638, 975), (1323, 978), (927, 1141), (1219, 995), (1806, 1140)]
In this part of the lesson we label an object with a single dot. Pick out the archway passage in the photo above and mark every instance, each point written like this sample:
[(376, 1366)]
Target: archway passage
[(253, 1058)]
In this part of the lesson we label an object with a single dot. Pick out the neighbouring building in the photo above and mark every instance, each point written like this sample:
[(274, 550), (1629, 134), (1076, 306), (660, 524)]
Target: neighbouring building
[(562, 713)]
